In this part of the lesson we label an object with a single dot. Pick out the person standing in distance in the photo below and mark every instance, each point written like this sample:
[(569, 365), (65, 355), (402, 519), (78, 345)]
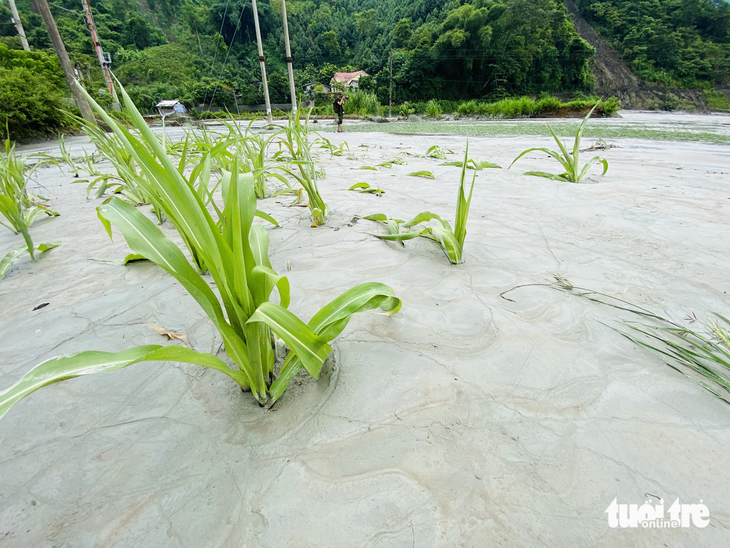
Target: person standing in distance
[(339, 106)]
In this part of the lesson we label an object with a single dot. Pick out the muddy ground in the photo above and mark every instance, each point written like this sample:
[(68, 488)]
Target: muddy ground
[(465, 420)]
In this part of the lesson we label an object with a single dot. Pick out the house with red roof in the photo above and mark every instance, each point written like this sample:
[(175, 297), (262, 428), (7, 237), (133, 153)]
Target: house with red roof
[(349, 80)]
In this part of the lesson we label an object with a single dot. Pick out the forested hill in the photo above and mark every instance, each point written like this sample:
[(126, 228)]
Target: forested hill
[(203, 50), (447, 49)]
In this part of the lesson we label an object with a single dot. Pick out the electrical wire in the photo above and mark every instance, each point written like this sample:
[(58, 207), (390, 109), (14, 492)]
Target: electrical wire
[(217, 43)]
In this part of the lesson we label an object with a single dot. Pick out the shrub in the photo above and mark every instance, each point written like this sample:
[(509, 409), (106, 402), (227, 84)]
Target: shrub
[(549, 105), (433, 109), (28, 105), (362, 103)]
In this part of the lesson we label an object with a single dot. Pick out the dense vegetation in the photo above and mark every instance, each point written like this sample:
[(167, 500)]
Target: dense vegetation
[(204, 51), (683, 43)]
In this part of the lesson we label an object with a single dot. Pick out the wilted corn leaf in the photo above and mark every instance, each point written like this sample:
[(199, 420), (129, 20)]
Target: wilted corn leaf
[(425, 174)]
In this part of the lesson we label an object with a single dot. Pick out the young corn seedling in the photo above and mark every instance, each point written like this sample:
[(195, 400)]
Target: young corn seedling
[(451, 240), (237, 257), (365, 188), (19, 208), (437, 152), (333, 149), (569, 161), (295, 139)]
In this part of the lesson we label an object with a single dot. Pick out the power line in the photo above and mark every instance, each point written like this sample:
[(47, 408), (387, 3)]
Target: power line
[(217, 43), (228, 52)]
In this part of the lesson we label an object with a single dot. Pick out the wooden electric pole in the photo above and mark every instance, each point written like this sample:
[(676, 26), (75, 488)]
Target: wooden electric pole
[(18, 25), (289, 61), (390, 87), (261, 60), (68, 71), (104, 58)]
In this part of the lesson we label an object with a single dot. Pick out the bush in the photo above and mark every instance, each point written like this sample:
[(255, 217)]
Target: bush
[(362, 103), (717, 100), (29, 106), (433, 109), (549, 105)]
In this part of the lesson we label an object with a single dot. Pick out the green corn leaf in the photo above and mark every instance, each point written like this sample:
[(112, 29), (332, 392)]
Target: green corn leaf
[(310, 348), (425, 174), (133, 257), (70, 366), (332, 319), (359, 185), (399, 237), (144, 238)]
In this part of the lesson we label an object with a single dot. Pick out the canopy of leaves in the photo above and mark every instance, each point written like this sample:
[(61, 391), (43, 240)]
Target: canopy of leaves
[(671, 42)]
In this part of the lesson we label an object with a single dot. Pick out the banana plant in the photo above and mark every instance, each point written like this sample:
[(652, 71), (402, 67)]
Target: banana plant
[(19, 208), (451, 240), (242, 310), (569, 161)]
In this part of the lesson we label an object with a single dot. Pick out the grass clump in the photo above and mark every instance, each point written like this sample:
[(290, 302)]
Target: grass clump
[(433, 109), (703, 354), (363, 103)]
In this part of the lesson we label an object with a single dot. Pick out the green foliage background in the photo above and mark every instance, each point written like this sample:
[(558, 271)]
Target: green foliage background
[(683, 43), (204, 51)]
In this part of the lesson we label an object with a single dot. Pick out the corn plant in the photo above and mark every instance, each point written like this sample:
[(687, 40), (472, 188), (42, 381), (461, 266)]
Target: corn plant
[(19, 208), (127, 183), (295, 140), (451, 240), (237, 257), (334, 150), (437, 152), (569, 161)]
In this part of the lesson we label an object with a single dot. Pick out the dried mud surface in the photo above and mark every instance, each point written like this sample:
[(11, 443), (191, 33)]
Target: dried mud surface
[(465, 420)]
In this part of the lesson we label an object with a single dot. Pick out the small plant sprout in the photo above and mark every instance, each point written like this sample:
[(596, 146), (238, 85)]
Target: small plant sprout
[(334, 150), (19, 208), (572, 173), (451, 240), (366, 189), (437, 152), (424, 173), (242, 308)]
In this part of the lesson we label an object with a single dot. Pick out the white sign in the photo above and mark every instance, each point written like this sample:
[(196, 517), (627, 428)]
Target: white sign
[(648, 516)]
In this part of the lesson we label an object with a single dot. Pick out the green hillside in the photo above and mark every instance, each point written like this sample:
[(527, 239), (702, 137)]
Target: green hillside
[(203, 50), (683, 43)]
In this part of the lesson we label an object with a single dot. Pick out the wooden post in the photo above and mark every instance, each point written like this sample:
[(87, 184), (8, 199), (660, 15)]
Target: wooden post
[(18, 25), (261, 60), (100, 55), (390, 87), (81, 102), (289, 60)]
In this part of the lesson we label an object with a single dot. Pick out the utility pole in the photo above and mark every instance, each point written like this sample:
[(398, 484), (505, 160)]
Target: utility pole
[(105, 59), (289, 61), (261, 60), (68, 71), (18, 25), (390, 88)]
